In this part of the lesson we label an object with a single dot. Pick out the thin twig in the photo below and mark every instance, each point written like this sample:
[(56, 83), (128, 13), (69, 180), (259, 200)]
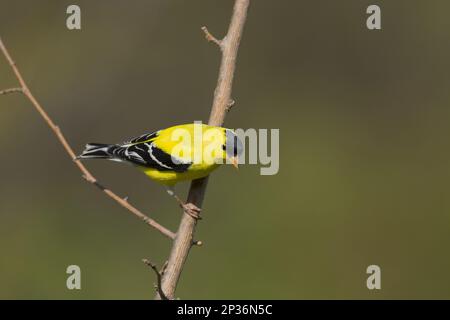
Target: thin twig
[(57, 131), (158, 277), (222, 97), (210, 37), (10, 90)]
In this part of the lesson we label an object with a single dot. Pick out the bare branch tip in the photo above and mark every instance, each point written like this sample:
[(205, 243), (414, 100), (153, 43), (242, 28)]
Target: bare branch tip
[(158, 278), (210, 38), (149, 263), (11, 90)]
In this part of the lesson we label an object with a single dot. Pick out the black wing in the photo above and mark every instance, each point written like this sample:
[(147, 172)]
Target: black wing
[(144, 138), (148, 155)]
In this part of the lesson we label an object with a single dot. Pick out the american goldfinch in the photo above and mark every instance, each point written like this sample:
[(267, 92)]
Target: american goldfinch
[(179, 153)]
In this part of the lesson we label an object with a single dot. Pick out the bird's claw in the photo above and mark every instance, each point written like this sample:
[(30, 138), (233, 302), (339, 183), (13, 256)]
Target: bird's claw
[(192, 210)]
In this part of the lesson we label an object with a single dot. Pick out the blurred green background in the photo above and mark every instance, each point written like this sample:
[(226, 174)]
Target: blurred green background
[(364, 155)]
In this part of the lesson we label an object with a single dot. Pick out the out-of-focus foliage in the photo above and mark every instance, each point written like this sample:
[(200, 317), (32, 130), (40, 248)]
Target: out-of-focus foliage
[(364, 173)]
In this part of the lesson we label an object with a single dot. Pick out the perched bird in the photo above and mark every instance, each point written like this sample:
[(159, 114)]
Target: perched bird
[(179, 153)]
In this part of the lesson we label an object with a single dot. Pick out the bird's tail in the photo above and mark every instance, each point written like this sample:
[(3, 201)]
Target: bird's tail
[(99, 151)]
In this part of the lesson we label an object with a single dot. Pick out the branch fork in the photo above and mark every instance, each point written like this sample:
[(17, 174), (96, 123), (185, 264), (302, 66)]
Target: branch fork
[(159, 274)]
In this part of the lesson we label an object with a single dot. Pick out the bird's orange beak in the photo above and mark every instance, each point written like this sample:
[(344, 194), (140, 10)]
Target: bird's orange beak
[(235, 162)]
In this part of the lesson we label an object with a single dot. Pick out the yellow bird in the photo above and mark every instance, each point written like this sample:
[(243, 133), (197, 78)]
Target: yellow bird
[(179, 153)]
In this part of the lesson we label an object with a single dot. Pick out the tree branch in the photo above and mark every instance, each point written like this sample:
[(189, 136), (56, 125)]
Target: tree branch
[(158, 278), (222, 97), (210, 38), (10, 90), (59, 135)]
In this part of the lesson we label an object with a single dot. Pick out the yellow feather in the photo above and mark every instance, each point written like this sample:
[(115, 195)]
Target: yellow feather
[(180, 141)]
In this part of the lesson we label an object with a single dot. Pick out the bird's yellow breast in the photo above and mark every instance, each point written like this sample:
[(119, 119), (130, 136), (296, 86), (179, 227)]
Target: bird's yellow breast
[(171, 177), (198, 144)]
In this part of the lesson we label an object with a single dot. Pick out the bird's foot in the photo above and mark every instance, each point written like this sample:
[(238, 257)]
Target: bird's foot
[(192, 210)]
